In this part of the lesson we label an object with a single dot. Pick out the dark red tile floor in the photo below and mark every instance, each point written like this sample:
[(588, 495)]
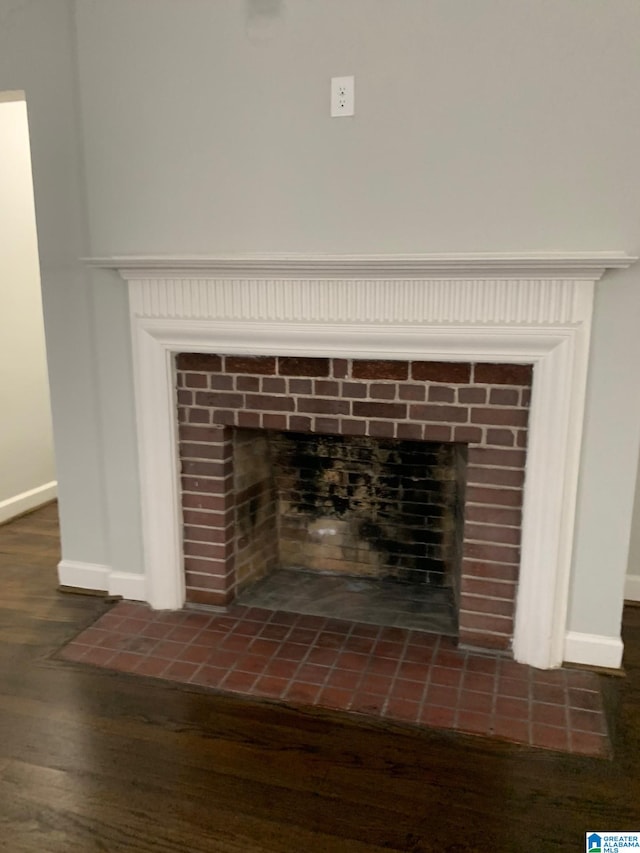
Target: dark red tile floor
[(391, 673)]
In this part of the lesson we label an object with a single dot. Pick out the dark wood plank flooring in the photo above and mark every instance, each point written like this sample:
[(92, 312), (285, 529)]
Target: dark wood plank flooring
[(92, 760)]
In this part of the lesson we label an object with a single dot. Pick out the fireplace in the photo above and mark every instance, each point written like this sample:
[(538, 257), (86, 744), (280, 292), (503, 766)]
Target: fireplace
[(530, 312), (474, 414)]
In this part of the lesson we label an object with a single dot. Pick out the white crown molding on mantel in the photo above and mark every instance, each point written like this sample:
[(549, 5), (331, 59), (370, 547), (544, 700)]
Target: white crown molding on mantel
[(530, 308), (500, 265)]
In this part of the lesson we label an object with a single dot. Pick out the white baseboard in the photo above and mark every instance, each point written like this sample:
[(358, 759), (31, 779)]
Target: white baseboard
[(127, 585), (632, 588), (26, 501), (84, 575), (593, 650), (102, 579)]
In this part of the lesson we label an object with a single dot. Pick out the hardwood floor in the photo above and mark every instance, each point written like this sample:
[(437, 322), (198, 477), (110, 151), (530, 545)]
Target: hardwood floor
[(92, 760)]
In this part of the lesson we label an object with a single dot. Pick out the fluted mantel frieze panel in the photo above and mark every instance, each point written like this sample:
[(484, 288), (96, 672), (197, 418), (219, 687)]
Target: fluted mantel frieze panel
[(530, 302)]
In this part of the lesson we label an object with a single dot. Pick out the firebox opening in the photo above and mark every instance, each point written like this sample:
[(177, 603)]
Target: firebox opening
[(350, 526)]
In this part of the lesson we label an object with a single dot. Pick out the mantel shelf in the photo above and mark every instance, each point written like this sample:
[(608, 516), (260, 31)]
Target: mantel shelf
[(589, 266)]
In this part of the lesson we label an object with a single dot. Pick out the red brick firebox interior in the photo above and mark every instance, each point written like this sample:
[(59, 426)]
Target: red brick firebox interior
[(482, 405)]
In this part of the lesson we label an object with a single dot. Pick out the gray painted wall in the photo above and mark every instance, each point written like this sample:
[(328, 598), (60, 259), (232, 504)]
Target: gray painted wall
[(633, 585), (488, 126), (37, 55)]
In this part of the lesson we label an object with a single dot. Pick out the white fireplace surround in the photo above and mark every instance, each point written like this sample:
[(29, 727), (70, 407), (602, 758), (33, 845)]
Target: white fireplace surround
[(493, 308)]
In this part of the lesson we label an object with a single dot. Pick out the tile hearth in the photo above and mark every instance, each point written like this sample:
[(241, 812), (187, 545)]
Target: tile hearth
[(389, 673)]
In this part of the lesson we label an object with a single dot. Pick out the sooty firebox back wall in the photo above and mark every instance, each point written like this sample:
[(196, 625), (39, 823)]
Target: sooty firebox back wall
[(371, 507)]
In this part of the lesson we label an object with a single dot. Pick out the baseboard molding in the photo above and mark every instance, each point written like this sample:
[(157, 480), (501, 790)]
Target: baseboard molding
[(127, 585), (101, 578), (593, 650), (19, 504), (632, 588), (84, 575)]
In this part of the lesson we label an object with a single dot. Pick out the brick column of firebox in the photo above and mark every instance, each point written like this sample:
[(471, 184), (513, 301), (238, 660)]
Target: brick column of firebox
[(207, 497), (493, 504), (208, 512)]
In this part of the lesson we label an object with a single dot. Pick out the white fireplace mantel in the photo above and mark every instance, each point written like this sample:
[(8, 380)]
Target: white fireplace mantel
[(533, 308)]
